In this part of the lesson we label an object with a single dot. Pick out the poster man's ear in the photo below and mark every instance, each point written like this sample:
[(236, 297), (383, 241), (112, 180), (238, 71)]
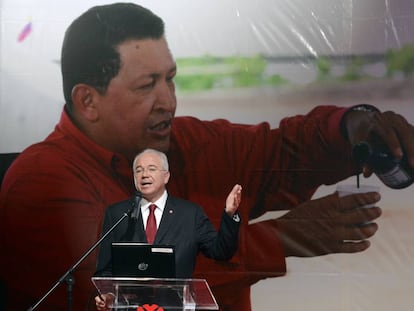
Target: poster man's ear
[(83, 98)]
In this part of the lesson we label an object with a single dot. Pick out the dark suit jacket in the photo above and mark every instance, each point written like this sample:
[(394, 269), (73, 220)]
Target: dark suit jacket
[(183, 224)]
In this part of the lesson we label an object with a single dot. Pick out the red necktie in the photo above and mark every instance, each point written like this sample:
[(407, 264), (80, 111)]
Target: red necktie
[(151, 229)]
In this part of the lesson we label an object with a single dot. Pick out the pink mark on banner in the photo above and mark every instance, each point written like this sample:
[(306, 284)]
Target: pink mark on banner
[(25, 32)]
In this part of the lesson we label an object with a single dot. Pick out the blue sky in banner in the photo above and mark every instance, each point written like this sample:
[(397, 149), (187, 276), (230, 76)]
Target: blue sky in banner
[(274, 27)]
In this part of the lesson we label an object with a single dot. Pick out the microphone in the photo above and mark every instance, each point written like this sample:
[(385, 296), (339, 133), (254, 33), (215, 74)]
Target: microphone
[(132, 214), (136, 205)]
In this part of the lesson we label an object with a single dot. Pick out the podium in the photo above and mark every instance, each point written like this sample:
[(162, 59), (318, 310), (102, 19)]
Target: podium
[(157, 293)]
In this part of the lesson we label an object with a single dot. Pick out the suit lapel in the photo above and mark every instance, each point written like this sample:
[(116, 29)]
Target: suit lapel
[(140, 232), (167, 220)]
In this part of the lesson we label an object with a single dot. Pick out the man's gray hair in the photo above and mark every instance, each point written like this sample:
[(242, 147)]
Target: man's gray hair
[(162, 155)]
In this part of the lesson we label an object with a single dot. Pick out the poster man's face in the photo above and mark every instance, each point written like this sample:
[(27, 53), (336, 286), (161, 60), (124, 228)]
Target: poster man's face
[(138, 107)]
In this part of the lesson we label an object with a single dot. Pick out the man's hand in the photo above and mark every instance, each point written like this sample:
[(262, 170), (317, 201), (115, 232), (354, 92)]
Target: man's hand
[(328, 225), (233, 200), (104, 302), (388, 127)]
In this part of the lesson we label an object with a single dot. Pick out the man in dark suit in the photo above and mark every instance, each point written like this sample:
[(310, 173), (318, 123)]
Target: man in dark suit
[(177, 222)]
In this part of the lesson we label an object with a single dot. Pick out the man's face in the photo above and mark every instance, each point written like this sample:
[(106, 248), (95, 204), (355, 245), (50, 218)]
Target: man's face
[(138, 107), (149, 176)]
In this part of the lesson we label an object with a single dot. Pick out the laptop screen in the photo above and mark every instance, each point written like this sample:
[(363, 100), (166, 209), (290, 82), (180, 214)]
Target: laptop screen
[(143, 260)]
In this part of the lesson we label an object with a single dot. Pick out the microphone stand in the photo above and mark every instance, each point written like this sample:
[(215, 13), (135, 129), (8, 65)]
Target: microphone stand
[(68, 276)]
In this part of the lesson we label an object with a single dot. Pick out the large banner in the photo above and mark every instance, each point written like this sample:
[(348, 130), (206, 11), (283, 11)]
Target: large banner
[(253, 61)]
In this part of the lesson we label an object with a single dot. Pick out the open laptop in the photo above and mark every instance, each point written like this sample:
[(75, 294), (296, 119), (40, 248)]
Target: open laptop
[(131, 259)]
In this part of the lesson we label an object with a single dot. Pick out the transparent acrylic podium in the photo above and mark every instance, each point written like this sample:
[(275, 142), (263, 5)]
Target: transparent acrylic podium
[(170, 294)]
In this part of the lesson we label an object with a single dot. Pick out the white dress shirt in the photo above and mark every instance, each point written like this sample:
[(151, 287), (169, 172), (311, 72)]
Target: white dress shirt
[(158, 211)]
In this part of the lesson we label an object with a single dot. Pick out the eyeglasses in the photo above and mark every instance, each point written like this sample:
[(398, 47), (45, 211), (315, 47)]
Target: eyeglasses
[(150, 169)]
